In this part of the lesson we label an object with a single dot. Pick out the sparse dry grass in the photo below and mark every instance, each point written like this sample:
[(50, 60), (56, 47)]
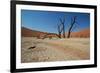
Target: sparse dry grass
[(54, 49)]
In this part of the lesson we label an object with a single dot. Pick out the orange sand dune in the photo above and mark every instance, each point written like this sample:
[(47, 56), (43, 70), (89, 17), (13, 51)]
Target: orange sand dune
[(26, 32), (85, 33)]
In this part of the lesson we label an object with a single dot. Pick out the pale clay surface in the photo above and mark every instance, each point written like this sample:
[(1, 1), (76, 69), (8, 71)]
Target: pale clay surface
[(54, 49)]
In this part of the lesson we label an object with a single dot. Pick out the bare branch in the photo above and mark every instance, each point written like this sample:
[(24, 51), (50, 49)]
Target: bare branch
[(73, 22)]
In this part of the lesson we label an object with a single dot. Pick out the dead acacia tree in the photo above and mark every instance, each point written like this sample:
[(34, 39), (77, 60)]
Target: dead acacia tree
[(73, 22), (63, 26)]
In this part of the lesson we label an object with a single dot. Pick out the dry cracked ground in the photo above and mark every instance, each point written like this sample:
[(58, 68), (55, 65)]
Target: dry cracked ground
[(42, 50)]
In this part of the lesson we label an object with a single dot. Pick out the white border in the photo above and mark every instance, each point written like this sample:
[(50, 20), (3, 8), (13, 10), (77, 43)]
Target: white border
[(20, 65)]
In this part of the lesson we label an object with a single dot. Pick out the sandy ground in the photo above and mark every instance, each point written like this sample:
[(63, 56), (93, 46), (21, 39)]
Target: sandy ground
[(54, 49)]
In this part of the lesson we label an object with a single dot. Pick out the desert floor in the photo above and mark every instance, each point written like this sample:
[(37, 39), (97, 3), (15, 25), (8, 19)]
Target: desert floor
[(42, 50)]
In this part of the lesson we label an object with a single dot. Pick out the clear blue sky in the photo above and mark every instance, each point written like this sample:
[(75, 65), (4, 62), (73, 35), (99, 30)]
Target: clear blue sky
[(47, 21)]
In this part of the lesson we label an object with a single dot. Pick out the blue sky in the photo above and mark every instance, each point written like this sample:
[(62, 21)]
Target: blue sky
[(47, 21)]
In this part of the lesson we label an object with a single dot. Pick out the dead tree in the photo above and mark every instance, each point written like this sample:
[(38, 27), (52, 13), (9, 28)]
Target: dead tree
[(73, 21), (63, 26)]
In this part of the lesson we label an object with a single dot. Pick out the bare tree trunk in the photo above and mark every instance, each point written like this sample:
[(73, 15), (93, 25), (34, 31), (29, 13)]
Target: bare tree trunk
[(69, 34), (63, 31), (59, 31), (73, 21), (59, 35)]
